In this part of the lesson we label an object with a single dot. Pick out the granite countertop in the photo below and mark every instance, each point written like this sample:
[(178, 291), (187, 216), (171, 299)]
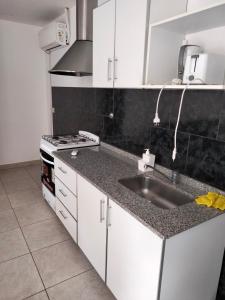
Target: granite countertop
[(103, 168)]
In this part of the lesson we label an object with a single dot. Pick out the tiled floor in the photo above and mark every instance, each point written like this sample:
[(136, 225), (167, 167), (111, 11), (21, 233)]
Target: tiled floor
[(38, 259)]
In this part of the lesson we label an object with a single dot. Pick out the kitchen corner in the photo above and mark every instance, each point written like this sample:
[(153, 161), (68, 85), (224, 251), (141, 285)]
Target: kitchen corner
[(112, 153)]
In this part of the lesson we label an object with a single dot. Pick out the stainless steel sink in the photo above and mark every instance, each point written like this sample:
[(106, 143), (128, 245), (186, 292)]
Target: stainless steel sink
[(162, 195)]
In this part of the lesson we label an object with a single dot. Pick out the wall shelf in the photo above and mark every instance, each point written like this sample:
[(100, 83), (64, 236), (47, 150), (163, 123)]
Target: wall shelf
[(204, 19), (166, 37), (179, 87)]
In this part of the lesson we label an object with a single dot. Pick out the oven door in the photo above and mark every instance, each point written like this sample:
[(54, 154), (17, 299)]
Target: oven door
[(47, 173)]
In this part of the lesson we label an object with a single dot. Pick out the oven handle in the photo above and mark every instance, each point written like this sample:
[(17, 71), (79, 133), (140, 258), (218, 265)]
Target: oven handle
[(47, 161)]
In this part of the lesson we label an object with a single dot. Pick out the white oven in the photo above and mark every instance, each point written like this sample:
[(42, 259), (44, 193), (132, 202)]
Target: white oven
[(48, 145)]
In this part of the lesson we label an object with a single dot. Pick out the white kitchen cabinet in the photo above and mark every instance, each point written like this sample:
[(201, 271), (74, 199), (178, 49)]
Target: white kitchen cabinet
[(201, 4), (167, 36), (103, 45), (192, 262), (92, 206), (134, 257), (66, 174), (164, 9), (119, 42), (67, 220), (67, 198)]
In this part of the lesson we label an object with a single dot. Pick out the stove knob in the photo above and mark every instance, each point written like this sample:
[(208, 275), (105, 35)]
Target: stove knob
[(74, 152)]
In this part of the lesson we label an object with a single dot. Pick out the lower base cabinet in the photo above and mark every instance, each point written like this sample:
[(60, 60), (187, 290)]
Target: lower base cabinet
[(92, 206), (134, 257), (136, 263), (68, 221)]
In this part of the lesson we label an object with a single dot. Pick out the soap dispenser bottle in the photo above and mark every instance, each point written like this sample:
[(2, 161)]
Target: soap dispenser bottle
[(146, 157)]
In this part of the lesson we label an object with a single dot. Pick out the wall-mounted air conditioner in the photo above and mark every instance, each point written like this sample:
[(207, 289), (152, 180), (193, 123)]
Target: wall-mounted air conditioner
[(53, 36)]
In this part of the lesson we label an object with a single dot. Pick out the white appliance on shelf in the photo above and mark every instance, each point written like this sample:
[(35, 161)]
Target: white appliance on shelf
[(51, 143), (204, 68), (54, 35)]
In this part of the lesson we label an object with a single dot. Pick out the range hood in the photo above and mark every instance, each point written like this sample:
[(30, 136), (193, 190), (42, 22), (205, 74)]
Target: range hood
[(77, 61)]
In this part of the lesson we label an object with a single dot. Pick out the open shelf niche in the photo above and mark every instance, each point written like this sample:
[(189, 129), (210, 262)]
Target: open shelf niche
[(204, 27)]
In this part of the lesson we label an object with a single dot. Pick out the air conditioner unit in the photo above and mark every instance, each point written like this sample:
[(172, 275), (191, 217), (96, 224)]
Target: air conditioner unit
[(53, 36)]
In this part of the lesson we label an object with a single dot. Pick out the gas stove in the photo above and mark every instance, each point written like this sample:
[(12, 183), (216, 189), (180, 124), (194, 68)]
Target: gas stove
[(51, 143)]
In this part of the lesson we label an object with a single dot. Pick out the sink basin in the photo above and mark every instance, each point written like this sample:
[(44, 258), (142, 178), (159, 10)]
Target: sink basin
[(162, 195)]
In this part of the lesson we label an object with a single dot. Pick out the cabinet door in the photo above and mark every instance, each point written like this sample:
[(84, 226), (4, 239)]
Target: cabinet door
[(201, 4), (131, 17), (92, 205), (164, 9), (134, 257), (103, 44)]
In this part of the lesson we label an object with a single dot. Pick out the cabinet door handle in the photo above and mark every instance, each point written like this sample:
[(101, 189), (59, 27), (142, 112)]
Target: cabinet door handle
[(61, 212), (109, 217), (61, 191), (116, 68), (109, 69), (102, 215), (62, 170)]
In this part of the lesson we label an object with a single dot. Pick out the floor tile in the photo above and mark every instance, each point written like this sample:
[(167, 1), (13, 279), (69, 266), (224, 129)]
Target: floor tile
[(35, 172), (44, 234), (19, 279), (31, 214), (26, 197), (60, 262), (34, 169), (12, 244), (13, 174), (4, 203), (19, 184), (39, 296), (87, 286), (8, 220)]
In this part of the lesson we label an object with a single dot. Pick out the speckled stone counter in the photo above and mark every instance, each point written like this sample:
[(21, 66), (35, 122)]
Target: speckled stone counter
[(103, 169)]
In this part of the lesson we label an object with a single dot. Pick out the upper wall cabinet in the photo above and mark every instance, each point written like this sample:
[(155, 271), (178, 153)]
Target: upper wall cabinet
[(103, 44), (200, 4), (203, 25), (119, 41), (164, 9)]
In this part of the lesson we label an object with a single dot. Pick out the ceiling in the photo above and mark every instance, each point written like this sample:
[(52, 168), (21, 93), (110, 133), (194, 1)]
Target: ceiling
[(35, 12)]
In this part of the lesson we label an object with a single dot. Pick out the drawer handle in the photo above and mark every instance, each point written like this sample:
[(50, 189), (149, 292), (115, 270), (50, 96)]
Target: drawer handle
[(109, 217), (61, 212), (62, 170), (102, 215), (61, 192)]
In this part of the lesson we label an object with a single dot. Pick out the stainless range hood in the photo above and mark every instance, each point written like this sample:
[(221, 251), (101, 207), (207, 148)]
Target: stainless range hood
[(77, 61)]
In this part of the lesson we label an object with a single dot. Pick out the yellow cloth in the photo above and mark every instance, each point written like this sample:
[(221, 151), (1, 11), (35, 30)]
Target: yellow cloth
[(212, 200)]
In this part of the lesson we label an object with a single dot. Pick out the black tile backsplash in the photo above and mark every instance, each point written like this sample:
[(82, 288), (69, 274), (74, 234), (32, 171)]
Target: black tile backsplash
[(162, 143), (201, 133), (206, 160)]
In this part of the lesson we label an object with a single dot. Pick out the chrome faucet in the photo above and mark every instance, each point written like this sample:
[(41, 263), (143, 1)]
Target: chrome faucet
[(173, 178)]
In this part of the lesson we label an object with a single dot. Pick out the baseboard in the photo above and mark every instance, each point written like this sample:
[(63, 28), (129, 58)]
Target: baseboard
[(20, 165)]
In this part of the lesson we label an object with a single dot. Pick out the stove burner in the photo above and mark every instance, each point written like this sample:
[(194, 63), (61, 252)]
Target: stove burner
[(63, 142), (69, 141)]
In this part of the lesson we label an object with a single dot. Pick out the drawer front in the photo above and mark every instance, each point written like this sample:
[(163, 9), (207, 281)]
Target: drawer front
[(68, 221), (66, 175), (49, 197), (68, 199)]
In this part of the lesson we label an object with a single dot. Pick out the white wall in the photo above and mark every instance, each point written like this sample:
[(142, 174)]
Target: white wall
[(24, 93), (68, 81), (210, 45)]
